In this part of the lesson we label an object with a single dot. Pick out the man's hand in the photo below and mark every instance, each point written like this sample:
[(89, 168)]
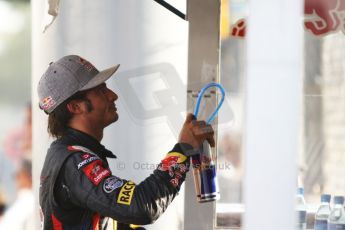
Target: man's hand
[(196, 132)]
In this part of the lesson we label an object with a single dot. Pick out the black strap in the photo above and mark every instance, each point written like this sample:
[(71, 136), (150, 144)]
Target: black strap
[(171, 8)]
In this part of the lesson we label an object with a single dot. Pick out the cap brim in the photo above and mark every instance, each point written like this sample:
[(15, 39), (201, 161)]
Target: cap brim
[(100, 77)]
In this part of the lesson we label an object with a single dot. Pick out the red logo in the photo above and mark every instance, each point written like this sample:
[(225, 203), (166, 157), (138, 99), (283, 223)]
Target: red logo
[(324, 16), (321, 17), (95, 172), (173, 164), (47, 103), (82, 60), (239, 29), (168, 164), (87, 65), (85, 156), (174, 182)]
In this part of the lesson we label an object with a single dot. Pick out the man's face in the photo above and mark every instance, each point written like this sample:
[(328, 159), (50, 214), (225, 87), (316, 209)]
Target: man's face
[(103, 111)]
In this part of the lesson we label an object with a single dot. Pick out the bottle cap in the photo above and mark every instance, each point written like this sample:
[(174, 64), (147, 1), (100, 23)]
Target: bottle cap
[(338, 200), (325, 198), (300, 191)]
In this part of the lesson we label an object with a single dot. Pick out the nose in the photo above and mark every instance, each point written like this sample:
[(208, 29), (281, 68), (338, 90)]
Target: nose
[(112, 95)]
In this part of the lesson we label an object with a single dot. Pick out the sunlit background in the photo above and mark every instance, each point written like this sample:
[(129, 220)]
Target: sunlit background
[(15, 86)]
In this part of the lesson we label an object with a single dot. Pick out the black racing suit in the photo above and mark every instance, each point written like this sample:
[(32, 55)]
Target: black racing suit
[(79, 191)]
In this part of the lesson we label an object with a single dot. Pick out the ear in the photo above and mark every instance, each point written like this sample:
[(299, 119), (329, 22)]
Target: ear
[(75, 107)]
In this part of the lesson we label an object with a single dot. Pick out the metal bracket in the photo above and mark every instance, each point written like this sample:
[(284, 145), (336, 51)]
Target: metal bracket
[(172, 9)]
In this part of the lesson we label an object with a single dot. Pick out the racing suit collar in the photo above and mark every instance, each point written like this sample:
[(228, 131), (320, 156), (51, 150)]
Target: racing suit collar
[(89, 142)]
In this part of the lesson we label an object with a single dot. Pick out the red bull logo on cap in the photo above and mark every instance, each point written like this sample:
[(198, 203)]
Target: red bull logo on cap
[(47, 103), (87, 65)]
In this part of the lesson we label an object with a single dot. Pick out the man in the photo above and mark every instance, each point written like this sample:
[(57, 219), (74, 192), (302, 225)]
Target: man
[(2, 204), (78, 189), (20, 215)]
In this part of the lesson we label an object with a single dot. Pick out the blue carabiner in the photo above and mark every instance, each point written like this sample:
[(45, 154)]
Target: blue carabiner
[(202, 92)]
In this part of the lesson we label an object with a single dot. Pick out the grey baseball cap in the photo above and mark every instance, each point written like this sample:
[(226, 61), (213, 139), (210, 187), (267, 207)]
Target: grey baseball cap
[(67, 76)]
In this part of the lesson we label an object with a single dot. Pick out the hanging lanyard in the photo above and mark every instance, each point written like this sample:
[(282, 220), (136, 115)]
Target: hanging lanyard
[(202, 92)]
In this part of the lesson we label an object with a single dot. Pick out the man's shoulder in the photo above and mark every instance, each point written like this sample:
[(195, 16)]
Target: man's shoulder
[(81, 162), (72, 153), (60, 149), (81, 156), (60, 154), (57, 155)]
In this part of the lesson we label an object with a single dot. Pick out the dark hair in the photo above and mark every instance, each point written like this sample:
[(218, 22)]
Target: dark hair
[(58, 119), (2, 208)]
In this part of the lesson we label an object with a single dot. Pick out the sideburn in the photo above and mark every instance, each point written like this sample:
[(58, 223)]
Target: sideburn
[(89, 106)]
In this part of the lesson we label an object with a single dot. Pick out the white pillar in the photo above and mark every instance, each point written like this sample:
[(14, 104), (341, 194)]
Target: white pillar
[(272, 112), (150, 43), (203, 68)]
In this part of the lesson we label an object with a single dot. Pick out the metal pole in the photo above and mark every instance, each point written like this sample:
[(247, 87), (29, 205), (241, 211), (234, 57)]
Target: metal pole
[(203, 68)]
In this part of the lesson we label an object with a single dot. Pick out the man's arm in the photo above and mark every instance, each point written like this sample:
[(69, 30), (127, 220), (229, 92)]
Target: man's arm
[(91, 184), (93, 187)]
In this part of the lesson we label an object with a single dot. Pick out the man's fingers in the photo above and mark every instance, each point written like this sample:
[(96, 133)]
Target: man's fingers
[(199, 131), (209, 135), (190, 117), (198, 124), (201, 128), (202, 123), (207, 129), (211, 141), (203, 132)]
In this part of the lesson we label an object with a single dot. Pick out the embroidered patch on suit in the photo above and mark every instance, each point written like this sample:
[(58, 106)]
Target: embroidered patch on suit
[(173, 165), (112, 183), (126, 193), (95, 172)]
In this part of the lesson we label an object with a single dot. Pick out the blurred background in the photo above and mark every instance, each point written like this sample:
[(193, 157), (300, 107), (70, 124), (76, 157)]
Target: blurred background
[(16, 196), (15, 92)]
